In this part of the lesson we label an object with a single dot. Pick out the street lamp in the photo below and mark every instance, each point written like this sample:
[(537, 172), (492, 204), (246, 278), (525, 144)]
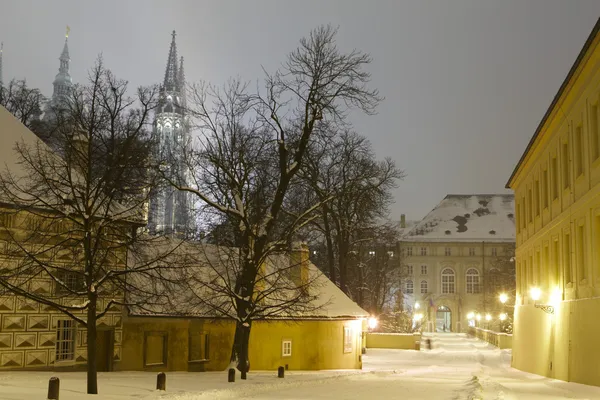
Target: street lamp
[(488, 317), (417, 305), (536, 293), (503, 317), (503, 298), (471, 315), (372, 322)]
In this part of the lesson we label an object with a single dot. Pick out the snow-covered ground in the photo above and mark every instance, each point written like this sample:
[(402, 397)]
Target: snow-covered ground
[(457, 368)]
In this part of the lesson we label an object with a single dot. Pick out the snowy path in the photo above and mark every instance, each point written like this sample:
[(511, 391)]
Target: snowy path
[(458, 368)]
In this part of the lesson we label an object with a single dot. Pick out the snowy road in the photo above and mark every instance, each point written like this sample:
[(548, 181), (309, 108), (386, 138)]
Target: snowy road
[(457, 368)]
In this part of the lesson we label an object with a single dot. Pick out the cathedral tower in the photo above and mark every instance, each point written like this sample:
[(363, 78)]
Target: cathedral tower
[(169, 209)]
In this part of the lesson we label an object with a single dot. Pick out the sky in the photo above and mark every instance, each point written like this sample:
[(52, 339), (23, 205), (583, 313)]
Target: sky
[(465, 82)]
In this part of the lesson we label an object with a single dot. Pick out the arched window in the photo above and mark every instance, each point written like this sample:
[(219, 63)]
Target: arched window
[(423, 287), (410, 287), (448, 282), (472, 281)]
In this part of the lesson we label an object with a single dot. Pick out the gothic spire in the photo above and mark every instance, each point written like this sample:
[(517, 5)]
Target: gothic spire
[(181, 82), (171, 75)]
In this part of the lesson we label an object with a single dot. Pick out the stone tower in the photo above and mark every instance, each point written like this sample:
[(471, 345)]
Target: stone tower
[(169, 208)]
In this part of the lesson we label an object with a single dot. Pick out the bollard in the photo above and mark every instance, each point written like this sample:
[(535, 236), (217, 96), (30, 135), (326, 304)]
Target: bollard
[(287, 366), (161, 381), (417, 345), (231, 375), (280, 372), (53, 388), (429, 344), (243, 375)]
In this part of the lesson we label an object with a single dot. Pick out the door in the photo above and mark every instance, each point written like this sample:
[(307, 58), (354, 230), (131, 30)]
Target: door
[(443, 319), (104, 350)]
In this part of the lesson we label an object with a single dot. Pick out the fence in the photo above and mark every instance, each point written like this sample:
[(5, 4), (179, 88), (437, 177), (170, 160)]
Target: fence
[(500, 340)]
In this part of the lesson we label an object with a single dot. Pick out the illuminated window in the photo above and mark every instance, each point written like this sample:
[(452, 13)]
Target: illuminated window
[(448, 281), (286, 348), (472, 281)]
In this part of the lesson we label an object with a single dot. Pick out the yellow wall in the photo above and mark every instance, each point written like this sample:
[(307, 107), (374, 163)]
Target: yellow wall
[(392, 341), (558, 235), (315, 344)]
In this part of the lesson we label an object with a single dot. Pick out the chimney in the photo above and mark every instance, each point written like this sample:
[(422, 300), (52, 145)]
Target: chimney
[(299, 263), (402, 221)]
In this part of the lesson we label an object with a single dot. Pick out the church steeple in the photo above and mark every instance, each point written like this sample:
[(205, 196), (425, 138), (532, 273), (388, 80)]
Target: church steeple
[(171, 82), (181, 83), (63, 82)]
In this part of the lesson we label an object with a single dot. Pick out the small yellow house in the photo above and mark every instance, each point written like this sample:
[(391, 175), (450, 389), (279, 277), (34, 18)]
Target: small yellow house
[(557, 192), (327, 337)]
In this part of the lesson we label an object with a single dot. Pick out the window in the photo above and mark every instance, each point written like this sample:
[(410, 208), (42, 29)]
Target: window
[(448, 251), (536, 198), (447, 281), (471, 251), (65, 339), (286, 348), (409, 270), (530, 205), (567, 254), (472, 281), (518, 224), (594, 132), (155, 348), (555, 262), (371, 252), (495, 281), (546, 262), (581, 270), (73, 281), (347, 339), (554, 178), (199, 346), (409, 251), (545, 189), (537, 275), (423, 251), (578, 151), (565, 165), (410, 287), (423, 269), (524, 212), (494, 252), (423, 287)]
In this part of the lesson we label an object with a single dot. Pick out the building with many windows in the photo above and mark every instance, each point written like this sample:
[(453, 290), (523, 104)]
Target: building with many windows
[(557, 189), (458, 258)]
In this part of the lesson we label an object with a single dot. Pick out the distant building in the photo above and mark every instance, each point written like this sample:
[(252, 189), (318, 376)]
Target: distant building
[(62, 85), (170, 209), (457, 259), (557, 187)]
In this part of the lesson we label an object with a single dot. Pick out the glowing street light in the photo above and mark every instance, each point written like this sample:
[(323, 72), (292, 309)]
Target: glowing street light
[(417, 305), (470, 315), (418, 317), (503, 317), (372, 322), (478, 317), (535, 293), (503, 298), (488, 317)]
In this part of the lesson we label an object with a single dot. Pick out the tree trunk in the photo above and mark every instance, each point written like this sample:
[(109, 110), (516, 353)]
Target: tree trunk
[(330, 251), (92, 373), (239, 352)]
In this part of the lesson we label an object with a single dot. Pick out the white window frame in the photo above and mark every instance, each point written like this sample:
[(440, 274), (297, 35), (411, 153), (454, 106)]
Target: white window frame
[(424, 287), (410, 287), (423, 269), (286, 348), (409, 269), (66, 336), (423, 251), (448, 281), (409, 251), (448, 251), (472, 281), (348, 339), (471, 251), (494, 252)]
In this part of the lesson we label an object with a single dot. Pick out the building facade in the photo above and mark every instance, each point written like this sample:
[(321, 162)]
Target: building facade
[(557, 190), (457, 260), (170, 209)]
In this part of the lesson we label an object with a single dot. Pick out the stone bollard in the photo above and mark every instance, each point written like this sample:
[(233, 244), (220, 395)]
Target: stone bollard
[(280, 372), (243, 375), (231, 375), (428, 344), (161, 381), (53, 388), (417, 345)]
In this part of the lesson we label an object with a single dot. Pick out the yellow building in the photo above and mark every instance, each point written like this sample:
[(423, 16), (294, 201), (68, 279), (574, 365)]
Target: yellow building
[(557, 190), (34, 335), (457, 259), (327, 337)]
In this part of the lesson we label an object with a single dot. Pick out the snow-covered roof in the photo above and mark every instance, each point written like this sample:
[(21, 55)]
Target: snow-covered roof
[(473, 217), (201, 292)]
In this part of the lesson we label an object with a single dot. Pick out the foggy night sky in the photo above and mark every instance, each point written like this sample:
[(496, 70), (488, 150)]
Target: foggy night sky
[(466, 82)]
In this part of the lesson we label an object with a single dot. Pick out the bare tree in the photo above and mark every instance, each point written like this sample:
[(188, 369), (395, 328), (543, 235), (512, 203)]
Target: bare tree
[(76, 210), (342, 166), (253, 146), (23, 102)]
